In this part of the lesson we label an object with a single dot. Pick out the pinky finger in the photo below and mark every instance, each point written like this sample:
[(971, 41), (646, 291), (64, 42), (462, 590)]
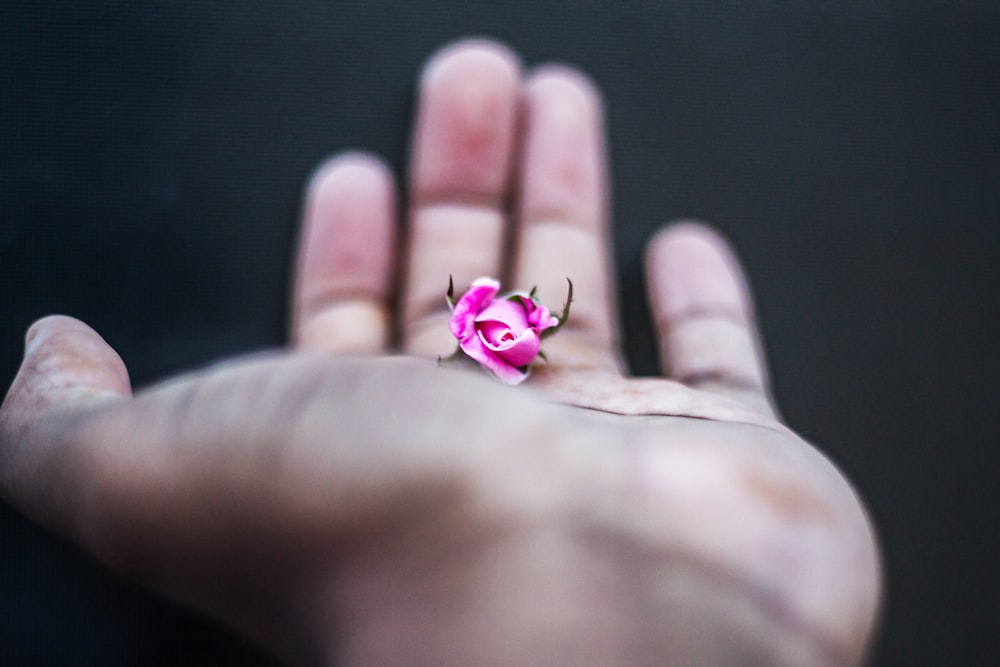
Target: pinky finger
[(704, 315)]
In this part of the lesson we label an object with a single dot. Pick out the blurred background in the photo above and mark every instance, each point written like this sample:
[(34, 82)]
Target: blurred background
[(152, 158)]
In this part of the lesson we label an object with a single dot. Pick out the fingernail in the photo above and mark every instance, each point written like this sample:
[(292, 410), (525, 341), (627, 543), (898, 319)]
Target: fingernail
[(37, 333)]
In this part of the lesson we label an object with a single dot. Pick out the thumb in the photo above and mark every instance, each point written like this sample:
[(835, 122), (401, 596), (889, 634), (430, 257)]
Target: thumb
[(66, 365), (67, 369)]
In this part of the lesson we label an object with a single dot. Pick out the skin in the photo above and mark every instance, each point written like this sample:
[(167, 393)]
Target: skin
[(341, 503)]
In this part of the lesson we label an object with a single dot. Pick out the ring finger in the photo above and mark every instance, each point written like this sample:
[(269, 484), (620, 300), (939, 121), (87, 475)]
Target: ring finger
[(562, 216)]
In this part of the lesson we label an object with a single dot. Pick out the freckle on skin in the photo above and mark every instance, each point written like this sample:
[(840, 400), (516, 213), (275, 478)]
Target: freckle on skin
[(791, 500)]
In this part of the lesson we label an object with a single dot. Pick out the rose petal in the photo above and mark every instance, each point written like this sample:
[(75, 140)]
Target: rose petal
[(539, 316), (510, 313), (480, 294), (477, 350), (520, 351), (496, 335)]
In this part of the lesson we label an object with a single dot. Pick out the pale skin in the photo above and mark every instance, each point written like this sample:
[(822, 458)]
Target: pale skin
[(348, 501)]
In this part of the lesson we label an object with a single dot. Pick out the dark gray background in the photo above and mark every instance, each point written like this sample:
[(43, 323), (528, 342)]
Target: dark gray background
[(152, 157)]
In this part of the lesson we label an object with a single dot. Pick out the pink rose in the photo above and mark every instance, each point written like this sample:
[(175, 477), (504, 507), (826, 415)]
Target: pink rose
[(502, 334)]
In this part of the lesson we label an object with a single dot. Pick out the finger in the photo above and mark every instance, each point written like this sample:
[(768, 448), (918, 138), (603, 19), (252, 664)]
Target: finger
[(704, 315), (240, 487), (344, 266), (67, 368), (231, 489), (562, 215), (459, 175)]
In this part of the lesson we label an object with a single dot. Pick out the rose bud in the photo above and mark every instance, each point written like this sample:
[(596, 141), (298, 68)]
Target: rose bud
[(504, 333)]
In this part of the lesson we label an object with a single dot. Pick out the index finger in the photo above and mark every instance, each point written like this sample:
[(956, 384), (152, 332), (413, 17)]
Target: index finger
[(343, 276)]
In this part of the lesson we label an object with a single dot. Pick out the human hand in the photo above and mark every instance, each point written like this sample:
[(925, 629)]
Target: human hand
[(341, 505)]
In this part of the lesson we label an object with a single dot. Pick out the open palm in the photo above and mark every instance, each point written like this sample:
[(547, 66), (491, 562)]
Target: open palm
[(342, 503)]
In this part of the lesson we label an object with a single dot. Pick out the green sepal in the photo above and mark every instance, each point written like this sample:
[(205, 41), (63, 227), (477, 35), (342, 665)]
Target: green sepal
[(563, 317), (450, 294), (514, 296), (543, 357), (454, 356)]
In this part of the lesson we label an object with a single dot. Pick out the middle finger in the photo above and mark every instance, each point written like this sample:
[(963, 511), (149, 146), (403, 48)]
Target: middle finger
[(459, 175)]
